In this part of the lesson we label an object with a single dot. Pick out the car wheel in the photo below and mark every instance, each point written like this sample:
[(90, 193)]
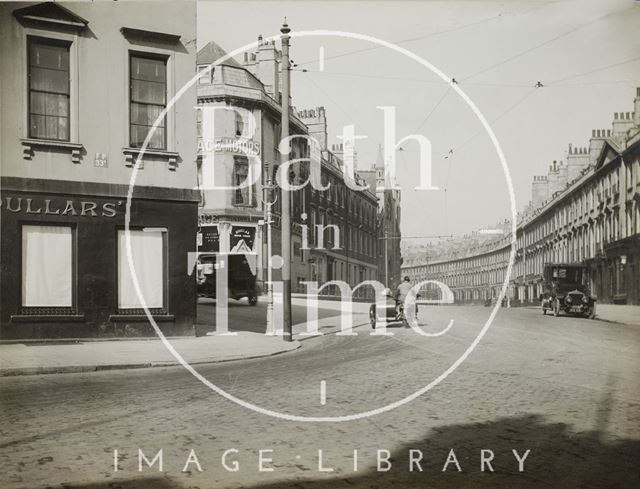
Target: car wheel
[(556, 307), (544, 311), (253, 300), (592, 312)]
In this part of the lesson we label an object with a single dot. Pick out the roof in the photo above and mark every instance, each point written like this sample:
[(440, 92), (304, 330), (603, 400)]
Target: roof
[(212, 52)]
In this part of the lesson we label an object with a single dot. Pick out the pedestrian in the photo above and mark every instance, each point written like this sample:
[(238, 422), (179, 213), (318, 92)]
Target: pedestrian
[(402, 292)]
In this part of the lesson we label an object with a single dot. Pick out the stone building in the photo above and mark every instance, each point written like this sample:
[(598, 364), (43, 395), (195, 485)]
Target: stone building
[(244, 141), (347, 248), (594, 220), (389, 257), (82, 84)]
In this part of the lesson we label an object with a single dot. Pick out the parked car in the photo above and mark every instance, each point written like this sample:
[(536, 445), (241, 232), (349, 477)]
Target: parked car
[(242, 283), (565, 290)]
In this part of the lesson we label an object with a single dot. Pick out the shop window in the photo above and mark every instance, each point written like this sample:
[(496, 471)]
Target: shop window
[(47, 266), (244, 196), (49, 89), (148, 98), (148, 257)]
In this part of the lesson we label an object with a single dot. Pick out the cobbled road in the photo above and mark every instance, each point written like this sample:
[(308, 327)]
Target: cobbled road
[(565, 389)]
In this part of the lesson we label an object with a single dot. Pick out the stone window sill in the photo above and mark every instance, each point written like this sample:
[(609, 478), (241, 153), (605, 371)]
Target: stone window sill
[(29, 146), (131, 155)]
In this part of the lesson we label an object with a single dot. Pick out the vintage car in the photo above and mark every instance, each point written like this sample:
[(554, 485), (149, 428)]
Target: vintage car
[(242, 283), (391, 312), (565, 289)]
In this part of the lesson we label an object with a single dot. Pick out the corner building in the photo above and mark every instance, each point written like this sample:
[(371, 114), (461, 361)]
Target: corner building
[(82, 83)]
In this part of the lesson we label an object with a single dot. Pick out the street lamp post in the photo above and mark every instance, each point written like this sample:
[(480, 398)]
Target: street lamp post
[(268, 203), (286, 203)]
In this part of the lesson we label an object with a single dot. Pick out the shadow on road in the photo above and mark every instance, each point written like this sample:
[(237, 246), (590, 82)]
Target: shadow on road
[(559, 458)]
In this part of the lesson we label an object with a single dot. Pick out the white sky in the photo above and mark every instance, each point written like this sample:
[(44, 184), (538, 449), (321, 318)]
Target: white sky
[(496, 50)]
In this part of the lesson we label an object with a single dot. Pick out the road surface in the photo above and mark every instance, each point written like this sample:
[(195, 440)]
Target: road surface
[(566, 389)]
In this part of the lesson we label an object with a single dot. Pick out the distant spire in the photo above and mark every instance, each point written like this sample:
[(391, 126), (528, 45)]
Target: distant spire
[(380, 157)]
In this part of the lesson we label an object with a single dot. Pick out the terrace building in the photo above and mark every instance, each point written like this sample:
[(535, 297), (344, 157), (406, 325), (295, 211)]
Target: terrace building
[(588, 213)]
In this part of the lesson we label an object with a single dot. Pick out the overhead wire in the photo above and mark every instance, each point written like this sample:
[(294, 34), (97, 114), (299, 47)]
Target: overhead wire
[(538, 46)]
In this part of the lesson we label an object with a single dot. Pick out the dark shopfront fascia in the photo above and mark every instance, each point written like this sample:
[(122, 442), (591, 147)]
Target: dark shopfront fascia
[(75, 230)]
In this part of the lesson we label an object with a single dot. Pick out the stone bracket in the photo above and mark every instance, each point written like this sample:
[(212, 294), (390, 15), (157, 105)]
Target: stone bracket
[(131, 155), (29, 146)]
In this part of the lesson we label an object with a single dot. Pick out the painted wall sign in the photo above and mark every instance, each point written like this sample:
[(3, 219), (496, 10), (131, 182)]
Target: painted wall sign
[(242, 239), (101, 160), (210, 239), (59, 207), (232, 145)]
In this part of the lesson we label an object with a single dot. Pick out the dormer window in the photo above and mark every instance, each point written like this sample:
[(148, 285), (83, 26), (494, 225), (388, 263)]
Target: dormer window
[(204, 76)]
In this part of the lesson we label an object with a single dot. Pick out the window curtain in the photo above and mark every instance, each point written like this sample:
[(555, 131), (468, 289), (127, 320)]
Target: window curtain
[(47, 266), (147, 252)]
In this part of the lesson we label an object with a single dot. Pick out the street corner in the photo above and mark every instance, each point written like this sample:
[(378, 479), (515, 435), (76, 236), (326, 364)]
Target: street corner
[(91, 356)]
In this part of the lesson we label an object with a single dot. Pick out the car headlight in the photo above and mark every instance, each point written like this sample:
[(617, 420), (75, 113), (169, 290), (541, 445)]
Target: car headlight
[(568, 300), (585, 299)]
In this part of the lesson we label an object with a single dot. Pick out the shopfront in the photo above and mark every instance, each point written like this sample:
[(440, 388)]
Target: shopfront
[(65, 267)]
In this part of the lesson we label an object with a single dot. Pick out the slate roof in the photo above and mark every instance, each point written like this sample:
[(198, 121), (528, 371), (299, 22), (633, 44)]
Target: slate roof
[(213, 52)]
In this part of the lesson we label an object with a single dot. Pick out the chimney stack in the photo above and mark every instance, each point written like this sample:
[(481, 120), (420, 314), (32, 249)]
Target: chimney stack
[(622, 122)]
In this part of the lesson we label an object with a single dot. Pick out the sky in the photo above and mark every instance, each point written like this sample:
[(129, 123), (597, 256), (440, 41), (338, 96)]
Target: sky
[(585, 53)]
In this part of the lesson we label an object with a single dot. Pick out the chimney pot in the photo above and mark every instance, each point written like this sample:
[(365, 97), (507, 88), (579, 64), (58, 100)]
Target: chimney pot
[(593, 133), (615, 116)]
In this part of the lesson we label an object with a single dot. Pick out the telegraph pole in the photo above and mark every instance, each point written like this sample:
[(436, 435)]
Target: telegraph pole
[(285, 221)]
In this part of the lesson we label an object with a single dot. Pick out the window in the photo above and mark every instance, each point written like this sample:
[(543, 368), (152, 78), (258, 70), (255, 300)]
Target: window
[(47, 266), (204, 77), (49, 89), (148, 98), (239, 123), (148, 256), (244, 196)]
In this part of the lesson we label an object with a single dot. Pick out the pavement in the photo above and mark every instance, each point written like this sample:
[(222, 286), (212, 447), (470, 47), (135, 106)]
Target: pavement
[(615, 313), (41, 357), (33, 358)]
